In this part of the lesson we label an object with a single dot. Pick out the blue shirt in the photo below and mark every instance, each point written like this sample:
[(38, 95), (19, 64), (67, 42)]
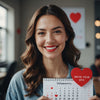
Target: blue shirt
[(16, 89)]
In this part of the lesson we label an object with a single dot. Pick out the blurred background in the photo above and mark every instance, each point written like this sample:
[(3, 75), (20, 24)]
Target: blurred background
[(14, 19)]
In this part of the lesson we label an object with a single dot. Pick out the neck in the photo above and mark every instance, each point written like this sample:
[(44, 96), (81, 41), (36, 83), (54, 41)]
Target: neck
[(55, 67)]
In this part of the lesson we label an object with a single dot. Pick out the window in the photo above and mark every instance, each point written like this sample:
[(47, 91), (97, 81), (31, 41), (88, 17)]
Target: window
[(3, 34)]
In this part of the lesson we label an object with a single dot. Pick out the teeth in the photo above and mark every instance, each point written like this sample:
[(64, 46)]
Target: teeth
[(50, 48)]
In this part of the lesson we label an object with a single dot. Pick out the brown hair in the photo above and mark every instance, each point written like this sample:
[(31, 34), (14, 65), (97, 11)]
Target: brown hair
[(32, 58)]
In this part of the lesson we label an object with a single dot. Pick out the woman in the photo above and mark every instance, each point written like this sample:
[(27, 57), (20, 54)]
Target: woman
[(50, 53)]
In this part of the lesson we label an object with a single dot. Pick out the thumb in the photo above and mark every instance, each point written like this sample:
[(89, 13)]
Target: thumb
[(94, 98)]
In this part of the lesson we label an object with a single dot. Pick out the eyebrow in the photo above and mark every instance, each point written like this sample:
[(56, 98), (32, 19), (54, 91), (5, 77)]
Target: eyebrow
[(51, 29)]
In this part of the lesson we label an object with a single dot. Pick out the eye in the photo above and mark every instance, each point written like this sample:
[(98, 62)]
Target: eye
[(58, 31), (40, 33)]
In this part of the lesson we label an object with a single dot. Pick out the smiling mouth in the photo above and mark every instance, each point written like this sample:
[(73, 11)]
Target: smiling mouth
[(50, 48)]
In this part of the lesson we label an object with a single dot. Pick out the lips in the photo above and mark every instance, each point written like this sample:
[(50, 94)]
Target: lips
[(51, 48)]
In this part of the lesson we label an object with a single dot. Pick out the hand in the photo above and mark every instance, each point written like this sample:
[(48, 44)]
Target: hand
[(96, 78), (43, 98), (94, 98)]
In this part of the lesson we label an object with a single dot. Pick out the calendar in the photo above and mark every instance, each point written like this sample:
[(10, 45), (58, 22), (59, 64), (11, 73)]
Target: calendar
[(66, 89)]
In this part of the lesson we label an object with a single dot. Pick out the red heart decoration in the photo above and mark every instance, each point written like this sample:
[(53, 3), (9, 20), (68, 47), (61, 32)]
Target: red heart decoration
[(75, 17), (56, 95), (51, 87), (81, 77)]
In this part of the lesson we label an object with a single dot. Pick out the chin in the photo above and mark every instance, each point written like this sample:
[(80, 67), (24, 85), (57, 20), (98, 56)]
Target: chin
[(51, 57)]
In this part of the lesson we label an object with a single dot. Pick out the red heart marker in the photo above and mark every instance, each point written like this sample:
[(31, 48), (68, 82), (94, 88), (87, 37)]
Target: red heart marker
[(51, 87), (56, 95), (81, 77), (75, 17)]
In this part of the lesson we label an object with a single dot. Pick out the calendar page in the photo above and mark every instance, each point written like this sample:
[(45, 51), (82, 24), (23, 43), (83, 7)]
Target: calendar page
[(66, 89)]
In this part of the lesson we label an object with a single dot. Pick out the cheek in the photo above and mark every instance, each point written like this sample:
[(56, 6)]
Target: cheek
[(61, 40), (39, 42)]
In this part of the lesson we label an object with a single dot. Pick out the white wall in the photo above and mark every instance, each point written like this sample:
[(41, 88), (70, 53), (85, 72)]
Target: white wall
[(28, 8)]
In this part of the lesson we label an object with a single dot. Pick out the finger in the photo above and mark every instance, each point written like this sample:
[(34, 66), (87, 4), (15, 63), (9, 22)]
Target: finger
[(93, 98), (43, 98)]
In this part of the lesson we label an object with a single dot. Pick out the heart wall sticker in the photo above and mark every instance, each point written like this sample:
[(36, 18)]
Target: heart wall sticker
[(81, 76), (75, 17)]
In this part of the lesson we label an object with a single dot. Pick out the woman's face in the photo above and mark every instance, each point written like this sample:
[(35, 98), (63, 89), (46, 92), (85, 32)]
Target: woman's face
[(50, 36)]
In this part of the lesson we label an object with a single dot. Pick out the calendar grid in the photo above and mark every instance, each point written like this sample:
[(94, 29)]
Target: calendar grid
[(66, 89)]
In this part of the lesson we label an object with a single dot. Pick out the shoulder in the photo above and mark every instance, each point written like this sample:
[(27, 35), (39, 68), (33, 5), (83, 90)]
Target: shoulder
[(17, 80), (18, 76), (17, 86), (19, 73)]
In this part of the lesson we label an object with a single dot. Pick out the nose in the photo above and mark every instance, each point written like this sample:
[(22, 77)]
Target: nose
[(50, 38)]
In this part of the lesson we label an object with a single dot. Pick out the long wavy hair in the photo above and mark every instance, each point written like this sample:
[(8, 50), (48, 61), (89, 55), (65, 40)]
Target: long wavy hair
[(32, 58)]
